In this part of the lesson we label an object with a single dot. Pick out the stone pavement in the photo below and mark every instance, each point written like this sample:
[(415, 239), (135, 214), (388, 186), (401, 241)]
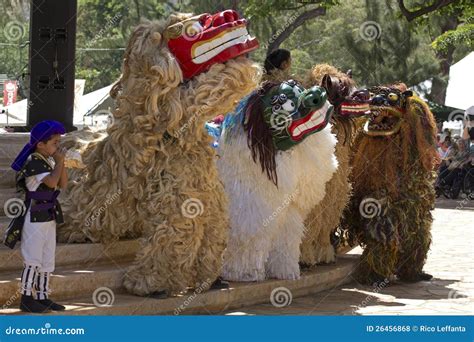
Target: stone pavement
[(450, 292)]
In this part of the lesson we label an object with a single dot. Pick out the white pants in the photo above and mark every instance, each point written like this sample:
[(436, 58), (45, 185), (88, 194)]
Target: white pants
[(38, 244)]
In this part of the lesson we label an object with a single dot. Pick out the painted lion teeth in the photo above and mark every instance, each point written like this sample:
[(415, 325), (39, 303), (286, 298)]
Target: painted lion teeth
[(317, 118), (211, 48)]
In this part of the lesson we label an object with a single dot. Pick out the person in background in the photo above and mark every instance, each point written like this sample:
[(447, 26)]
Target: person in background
[(444, 147), (277, 62)]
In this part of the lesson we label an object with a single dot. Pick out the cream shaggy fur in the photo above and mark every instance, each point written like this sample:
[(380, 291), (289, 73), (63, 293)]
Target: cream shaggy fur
[(267, 222), (154, 172)]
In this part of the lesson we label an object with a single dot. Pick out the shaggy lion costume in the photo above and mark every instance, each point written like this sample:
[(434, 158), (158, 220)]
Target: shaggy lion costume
[(275, 159), (154, 174), (393, 186), (325, 217)]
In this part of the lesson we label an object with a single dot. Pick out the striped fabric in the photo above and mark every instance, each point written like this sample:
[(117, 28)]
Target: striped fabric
[(28, 278), (42, 285)]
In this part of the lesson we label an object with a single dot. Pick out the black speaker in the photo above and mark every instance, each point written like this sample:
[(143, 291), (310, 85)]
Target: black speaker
[(52, 61)]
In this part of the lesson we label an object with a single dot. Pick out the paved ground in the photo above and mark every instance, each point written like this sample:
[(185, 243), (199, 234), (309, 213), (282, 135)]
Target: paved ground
[(451, 292)]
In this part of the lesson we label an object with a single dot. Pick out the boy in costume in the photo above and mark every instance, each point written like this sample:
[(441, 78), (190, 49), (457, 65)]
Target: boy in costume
[(40, 171)]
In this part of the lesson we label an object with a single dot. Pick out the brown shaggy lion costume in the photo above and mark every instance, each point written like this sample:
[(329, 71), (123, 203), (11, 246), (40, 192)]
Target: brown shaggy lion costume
[(154, 175), (393, 183), (325, 217)]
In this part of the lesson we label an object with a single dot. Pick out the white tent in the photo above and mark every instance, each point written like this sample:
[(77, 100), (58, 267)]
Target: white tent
[(95, 102), (460, 90), (90, 103), (14, 114)]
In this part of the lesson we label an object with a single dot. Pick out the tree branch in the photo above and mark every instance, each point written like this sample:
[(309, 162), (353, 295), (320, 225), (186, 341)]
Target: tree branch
[(275, 42), (302, 4), (411, 15)]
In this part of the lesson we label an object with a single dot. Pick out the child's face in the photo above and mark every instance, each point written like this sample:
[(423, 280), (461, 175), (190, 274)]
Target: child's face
[(286, 64), (49, 148)]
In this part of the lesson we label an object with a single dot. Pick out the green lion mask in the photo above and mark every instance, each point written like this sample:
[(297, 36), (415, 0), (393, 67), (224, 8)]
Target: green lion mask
[(293, 113)]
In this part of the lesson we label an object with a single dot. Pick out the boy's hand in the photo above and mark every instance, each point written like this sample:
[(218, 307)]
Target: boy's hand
[(59, 155)]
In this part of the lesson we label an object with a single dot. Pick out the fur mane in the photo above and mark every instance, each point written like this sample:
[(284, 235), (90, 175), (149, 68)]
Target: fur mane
[(259, 136)]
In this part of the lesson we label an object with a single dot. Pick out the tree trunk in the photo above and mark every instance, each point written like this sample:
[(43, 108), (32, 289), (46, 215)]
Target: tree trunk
[(440, 83)]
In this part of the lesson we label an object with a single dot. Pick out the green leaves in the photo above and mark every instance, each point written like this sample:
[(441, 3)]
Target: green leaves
[(462, 35)]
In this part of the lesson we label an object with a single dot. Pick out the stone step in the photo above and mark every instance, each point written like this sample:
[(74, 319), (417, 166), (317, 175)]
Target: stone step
[(14, 139), (6, 161), (10, 145), (6, 200), (214, 301), (7, 177), (4, 222), (69, 282), (74, 254)]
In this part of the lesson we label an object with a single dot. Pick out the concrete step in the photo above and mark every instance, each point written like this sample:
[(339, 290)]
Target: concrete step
[(14, 139), (10, 145), (7, 160), (6, 200), (214, 301), (7, 177), (4, 222), (74, 254), (69, 282)]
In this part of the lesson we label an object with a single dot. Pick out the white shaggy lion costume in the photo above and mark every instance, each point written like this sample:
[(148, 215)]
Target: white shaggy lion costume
[(154, 174), (276, 156)]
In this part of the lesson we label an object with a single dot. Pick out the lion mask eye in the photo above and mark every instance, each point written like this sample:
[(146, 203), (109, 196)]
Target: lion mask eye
[(274, 99), (392, 97), (282, 98), (174, 31)]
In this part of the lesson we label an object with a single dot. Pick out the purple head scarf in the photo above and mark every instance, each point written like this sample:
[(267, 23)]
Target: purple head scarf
[(41, 131)]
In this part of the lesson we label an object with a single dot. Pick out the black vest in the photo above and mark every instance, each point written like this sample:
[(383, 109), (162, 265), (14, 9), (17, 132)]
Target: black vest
[(43, 202)]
